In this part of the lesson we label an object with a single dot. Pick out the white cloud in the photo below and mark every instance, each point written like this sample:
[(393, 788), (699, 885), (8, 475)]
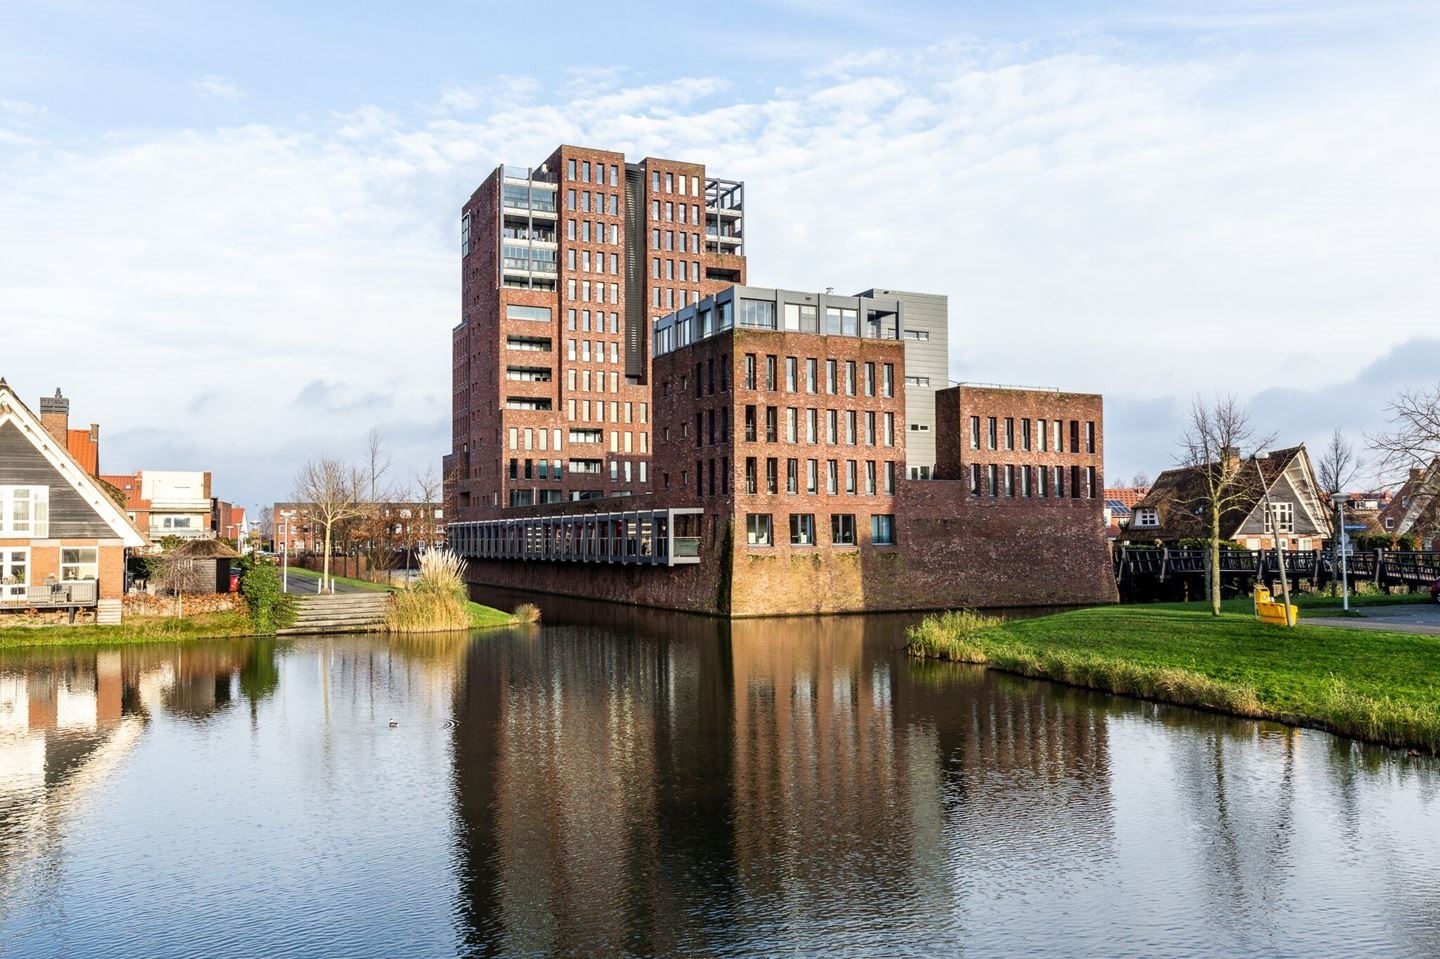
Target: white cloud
[(217, 87), (1101, 220)]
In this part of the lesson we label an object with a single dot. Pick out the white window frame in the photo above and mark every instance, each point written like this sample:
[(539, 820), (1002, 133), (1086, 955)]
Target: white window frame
[(15, 590), (37, 524), (1284, 516), (1146, 518), (79, 568)]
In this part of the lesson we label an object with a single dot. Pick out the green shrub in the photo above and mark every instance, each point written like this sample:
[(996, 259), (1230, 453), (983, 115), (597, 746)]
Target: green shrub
[(271, 608)]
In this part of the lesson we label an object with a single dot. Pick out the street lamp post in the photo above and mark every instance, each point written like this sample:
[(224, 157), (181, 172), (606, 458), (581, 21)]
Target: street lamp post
[(1342, 540)]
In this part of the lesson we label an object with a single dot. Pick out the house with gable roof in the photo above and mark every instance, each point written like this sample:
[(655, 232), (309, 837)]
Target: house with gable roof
[(62, 535), (1173, 508), (1415, 508)]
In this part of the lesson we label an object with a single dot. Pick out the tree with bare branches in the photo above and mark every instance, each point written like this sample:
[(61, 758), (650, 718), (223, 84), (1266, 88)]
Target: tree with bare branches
[(1337, 465), (1216, 436), (1413, 439), (333, 493)]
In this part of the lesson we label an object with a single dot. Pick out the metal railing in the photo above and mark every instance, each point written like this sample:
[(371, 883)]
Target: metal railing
[(85, 592)]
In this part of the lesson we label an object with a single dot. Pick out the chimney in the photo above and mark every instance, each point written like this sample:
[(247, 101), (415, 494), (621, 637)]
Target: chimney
[(1229, 459), (55, 416), (1415, 474)]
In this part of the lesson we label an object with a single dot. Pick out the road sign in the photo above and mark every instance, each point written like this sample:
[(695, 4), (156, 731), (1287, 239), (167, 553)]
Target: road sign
[(1352, 528)]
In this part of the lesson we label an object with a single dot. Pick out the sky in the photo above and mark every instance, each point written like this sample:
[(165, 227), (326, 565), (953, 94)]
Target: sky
[(230, 232)]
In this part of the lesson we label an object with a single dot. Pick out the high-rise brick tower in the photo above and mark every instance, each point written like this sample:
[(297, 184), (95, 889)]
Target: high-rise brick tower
[(563, 268)]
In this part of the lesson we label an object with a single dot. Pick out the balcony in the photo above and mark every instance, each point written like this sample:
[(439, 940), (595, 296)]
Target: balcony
[(77, 594), (631, 537)]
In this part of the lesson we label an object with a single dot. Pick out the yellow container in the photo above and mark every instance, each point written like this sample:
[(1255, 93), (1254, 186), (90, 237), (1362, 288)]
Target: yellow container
[(1270, 611)]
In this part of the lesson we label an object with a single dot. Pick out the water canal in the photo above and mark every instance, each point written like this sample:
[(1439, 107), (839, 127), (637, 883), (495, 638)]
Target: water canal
[(624, 782)]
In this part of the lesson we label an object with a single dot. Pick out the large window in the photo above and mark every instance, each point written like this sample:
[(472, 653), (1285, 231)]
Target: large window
[(14, 572), (78, 563), (842, 529), (757, 529), (1283, 515), (514, 311), (882, 529), (759, 314), (802, 529), (801, 317), (25, 511)]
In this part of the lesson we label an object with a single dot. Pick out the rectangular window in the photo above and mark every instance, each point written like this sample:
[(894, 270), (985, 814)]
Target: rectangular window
[(974, 432), (992, 433), (832, 427), (889, 383), (772, 475), (792, 476), (850, 437), (79, 563), (869, 477), (752, 474), (1043, 436), (849, 377), (991, 476), (1074, 436), (975, 479), (812, 426), (1025, 435), (757, 314), (749, 371), (889, 429), (832, 477), (770, 373), (842, 529), (802, 529), (792, 425), (1009, 432), (811, 376), (812, 476), (772, 424), (1089, 436), (832, 377), (869, 379), (882, 529), (25, 511), (757, 529), (851, 475), (792, 372)]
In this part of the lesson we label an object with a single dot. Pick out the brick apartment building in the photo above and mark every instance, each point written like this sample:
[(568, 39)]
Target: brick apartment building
[(562, 268), (622, 399), (780, 481)]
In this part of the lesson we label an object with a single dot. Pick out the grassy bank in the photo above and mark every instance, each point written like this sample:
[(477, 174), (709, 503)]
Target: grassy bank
[(1378, 686), (481, 616), (148, 629)]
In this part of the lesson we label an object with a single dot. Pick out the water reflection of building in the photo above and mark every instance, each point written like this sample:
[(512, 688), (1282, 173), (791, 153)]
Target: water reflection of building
[(591, 773), (69, 719)]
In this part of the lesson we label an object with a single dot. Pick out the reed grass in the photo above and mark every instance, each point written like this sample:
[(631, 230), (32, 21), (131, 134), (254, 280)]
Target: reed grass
[(1378, 686)]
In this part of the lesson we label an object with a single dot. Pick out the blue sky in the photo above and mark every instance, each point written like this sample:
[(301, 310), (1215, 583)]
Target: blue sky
[(243, 218)]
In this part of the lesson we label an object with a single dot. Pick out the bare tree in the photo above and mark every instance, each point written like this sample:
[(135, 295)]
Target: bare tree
[(333, 493), (377, 463), (181, 574), (1414, 435), (1140, 480), (1338, 465), (1216, 436)]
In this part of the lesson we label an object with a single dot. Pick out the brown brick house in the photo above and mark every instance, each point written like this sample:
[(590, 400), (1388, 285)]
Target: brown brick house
[(1415, 508), (62, 537), (1173, 509)]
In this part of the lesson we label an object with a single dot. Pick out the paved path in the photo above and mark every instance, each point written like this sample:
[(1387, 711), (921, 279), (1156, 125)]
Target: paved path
[(311, 584), (1417, 618)]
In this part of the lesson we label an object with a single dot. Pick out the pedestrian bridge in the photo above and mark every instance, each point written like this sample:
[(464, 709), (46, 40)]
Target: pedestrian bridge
[(646, 537)]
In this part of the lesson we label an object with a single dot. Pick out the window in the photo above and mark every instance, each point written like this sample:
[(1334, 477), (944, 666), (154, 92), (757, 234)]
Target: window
[(1025, 434), (749, 371), (772, 475), (992, 433), (842, 529), (1146, 518), (1089, 436), (811, 374), (849, 377), (771, 383), (869, 379), (831, 377), (882, 529), (802, 529), (25, 511), (1009, 432), (757, 529), (792, 373), (1283, 516), (751, 470), (801, 317), (975, 480), (758, 314), (974, 432), (792, 476), (889, 380)]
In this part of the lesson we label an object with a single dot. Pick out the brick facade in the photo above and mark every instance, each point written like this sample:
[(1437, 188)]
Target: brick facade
[(551, 369)]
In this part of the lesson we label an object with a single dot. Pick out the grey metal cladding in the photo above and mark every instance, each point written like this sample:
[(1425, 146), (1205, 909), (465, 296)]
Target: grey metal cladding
[(21, 464)]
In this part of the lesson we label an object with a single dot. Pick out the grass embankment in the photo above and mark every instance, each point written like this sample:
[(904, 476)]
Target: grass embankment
[(136, 629), (481, 616), (1379, 686)]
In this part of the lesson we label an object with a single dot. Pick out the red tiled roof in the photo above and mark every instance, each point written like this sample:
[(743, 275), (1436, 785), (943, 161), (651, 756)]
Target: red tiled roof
[(1127, 495)]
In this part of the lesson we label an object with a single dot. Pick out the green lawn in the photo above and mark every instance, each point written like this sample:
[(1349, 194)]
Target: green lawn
[(481, 617), (136, 629), (1381, 686)]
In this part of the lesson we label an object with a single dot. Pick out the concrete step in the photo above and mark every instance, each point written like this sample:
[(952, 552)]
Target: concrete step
[(327, 627), (107, 612)]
